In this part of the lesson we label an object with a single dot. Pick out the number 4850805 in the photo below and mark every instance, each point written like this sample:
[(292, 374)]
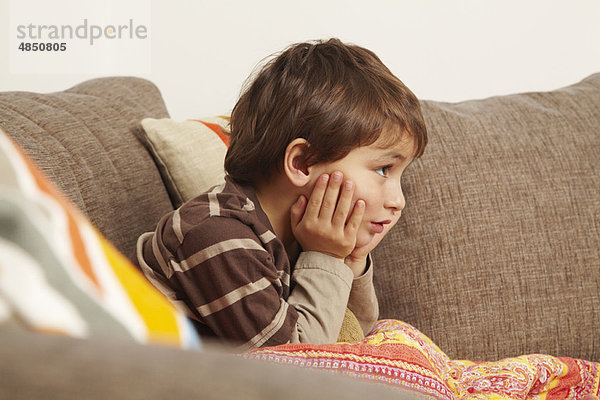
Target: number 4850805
[(26, 46)]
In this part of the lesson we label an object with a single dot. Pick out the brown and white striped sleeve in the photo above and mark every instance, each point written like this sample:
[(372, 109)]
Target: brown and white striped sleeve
[(234, 280)]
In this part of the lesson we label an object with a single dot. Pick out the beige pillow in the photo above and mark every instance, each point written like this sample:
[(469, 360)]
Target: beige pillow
[(189, 154)]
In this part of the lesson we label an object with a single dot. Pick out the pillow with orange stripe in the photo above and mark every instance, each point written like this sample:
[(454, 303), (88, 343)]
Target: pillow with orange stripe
[(190, 155), (59, 274)]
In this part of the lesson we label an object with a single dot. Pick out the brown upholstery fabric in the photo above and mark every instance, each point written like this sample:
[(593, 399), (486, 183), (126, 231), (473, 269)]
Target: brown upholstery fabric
[(84, 140), (498, 251)]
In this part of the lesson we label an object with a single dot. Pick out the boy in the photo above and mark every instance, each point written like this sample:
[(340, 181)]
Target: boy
[(319, 141)]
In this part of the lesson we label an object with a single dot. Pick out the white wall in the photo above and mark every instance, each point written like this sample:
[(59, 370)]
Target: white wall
[(448, 50)]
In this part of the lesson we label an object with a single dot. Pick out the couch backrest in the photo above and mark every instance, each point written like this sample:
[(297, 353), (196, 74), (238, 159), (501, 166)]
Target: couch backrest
[(498, 250), (84, 139)]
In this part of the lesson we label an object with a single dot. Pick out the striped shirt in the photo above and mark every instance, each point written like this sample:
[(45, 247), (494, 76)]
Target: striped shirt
[(218, 258)]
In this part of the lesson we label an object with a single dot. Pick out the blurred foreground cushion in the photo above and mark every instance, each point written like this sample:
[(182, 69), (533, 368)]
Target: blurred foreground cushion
[(58, 274)]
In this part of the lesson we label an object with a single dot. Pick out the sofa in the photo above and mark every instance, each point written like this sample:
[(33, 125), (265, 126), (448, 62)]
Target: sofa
[(497, 252)]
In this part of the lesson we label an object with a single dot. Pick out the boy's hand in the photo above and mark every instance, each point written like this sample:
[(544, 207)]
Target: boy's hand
[(322, 223)]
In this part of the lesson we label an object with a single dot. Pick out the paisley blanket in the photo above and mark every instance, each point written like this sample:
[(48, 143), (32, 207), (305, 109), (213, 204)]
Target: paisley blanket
[(398, 354)]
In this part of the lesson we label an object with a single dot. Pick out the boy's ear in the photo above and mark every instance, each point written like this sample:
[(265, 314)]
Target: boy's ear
[(294, 162)]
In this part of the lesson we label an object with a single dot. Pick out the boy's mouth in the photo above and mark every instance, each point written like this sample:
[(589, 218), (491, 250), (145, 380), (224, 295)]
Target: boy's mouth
[(377, 227)]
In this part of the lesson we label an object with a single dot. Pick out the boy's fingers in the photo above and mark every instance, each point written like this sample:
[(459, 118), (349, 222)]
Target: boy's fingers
[(316, 197), (355, 219), (330, 199), (344, 204), (297, 210)]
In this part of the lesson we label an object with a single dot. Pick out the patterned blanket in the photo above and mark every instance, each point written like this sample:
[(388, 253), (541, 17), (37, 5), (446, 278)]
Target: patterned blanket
[(398, 354)]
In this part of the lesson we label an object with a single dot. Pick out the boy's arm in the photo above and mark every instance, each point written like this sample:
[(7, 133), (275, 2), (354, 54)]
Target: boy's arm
[(363, 300), (231, 284), (322, 285)]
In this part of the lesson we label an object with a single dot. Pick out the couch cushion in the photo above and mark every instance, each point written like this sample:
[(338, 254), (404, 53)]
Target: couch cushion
[(84, 139), (50, 367), (498, 250)]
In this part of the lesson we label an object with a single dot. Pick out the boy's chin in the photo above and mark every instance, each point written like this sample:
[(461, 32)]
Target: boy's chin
[(364, 239)]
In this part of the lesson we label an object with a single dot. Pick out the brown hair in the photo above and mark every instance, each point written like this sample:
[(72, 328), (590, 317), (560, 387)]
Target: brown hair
[(336, 96)]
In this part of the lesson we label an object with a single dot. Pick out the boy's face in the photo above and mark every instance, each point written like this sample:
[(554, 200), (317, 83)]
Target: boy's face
[(376, 173)]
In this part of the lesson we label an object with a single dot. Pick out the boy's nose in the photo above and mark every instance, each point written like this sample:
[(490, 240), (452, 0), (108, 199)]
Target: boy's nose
[(395, 197)]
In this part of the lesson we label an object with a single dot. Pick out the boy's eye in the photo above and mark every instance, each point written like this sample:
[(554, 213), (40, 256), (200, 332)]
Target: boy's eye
[(383, 171)]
